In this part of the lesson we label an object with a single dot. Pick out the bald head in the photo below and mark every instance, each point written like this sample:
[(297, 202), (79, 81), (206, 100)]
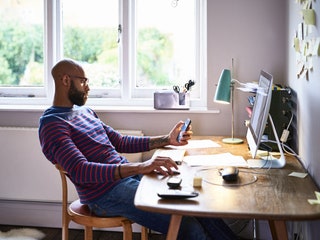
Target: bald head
[(65, 67), (68, 89)]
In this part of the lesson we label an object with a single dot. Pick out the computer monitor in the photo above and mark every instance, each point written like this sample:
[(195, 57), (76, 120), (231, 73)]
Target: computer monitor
[(258, 121)]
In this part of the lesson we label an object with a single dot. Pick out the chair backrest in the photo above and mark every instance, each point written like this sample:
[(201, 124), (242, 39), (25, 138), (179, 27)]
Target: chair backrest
[(112, 221), (64, 188)]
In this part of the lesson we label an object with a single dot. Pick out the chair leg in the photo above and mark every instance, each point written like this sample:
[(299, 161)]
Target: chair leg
[(65, 233), (127, 230), (144, 233), (88, 233), (65, 229)]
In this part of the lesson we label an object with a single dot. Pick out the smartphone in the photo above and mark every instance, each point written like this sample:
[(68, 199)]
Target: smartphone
[(184, 128)]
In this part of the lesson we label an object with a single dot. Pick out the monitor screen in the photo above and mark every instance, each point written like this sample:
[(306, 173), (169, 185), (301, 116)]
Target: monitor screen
[(260, 112)]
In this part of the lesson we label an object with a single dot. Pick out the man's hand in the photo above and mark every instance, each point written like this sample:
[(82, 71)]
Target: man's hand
[(162, 165), (185, 136), (171, 138)]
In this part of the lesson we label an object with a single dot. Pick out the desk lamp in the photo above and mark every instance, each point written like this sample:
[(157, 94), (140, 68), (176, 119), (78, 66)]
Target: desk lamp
[(225, 94)]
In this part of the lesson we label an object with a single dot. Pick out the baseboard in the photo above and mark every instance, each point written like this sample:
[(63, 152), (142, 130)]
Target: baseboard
[(38, 214)]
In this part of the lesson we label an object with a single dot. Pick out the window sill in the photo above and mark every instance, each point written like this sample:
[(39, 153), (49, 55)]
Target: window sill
[(126, 109)]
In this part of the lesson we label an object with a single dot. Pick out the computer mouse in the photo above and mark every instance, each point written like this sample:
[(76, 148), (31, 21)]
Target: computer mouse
[(230, 174)]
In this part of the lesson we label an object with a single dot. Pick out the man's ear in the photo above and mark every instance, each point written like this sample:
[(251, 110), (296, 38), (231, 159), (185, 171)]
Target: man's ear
[(65, 80)]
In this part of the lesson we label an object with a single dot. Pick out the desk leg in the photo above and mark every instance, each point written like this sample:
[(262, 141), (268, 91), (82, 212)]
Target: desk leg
[(174, 227), (278, 230)]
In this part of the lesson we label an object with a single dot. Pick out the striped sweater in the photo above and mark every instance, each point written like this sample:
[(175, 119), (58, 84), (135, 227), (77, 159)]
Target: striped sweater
[(86, 148)]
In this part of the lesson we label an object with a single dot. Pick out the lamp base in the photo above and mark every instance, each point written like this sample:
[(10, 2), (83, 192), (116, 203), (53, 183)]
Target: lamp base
[(232, 140)]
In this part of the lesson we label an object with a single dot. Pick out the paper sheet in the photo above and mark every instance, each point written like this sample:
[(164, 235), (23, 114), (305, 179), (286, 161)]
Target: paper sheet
[(206, 143), (175, 154), (216, 160)]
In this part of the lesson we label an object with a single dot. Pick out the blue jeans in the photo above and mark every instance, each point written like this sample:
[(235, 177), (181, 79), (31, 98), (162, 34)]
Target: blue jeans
[(120, 202)]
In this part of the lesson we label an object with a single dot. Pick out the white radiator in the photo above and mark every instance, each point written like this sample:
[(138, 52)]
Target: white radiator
[(25, 173)]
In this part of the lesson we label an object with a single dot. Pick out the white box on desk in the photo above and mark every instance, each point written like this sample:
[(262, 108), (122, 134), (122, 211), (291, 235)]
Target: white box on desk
[(171, 100)]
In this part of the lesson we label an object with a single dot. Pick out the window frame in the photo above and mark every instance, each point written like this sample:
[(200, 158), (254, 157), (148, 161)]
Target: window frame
[(53, 51)]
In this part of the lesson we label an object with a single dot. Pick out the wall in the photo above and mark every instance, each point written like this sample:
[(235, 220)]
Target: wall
[(308, 95), (307, 105), (250, 31)]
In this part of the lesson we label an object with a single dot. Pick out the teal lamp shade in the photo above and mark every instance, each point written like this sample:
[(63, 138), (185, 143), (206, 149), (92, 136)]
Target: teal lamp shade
[(223, 91), (223, 95)]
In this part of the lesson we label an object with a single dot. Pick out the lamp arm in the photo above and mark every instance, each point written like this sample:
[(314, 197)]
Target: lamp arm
[(233, 80)]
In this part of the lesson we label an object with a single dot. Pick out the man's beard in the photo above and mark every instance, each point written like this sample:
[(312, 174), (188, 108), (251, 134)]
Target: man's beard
[(75, 96)]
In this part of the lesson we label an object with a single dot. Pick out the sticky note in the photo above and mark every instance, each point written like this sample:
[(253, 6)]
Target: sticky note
[(316, 47), (296, 44), (315, 201), (309, 16), (298, 175)]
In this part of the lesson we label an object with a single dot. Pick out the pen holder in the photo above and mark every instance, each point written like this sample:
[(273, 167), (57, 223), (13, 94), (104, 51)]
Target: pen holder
[(170, 100), (184, 99)]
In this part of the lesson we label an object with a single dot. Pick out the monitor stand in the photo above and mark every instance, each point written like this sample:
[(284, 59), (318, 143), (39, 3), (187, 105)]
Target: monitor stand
[(269, 161)]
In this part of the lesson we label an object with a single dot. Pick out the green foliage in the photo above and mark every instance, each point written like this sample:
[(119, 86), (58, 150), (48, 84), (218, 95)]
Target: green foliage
[(21, 54), (98, 48), (154, 51), (82, 44), (18, 45), (6, 76)]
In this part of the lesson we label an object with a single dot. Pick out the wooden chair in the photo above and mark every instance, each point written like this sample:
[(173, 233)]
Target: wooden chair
[(80, 214)]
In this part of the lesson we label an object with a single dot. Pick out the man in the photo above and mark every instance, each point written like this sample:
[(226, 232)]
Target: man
[(88, 150)]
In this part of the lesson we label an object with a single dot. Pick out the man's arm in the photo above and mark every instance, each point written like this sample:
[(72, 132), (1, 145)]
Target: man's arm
[(158, 142), (160, 164)]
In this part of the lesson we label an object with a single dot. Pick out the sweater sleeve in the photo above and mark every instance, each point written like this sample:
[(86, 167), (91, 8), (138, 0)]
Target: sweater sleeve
[(127, 144)]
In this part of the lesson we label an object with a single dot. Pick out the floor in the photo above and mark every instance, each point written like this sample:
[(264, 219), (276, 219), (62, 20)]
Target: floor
[(55, 234)]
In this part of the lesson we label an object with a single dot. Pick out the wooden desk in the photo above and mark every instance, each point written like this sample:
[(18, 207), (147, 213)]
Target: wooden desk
[(275, 196)]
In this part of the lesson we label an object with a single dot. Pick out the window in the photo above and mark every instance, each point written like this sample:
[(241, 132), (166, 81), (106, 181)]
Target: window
[(21, 48), (128, 48), (90, 35)]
